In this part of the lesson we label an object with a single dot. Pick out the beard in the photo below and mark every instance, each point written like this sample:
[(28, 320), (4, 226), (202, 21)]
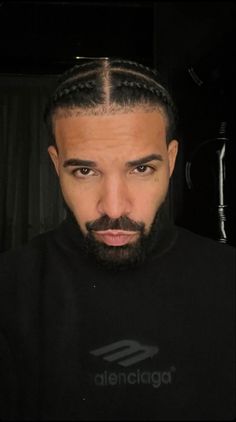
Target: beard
[(127, 256), (115, 257)]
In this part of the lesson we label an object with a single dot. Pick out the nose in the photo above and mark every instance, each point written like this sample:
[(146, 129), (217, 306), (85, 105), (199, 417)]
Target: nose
[(114, 200)]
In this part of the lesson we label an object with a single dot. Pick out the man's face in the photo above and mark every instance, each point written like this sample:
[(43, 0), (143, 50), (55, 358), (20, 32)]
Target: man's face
[(114, 172)]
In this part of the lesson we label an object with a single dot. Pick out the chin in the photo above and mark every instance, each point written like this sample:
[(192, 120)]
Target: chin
[(115, 257)]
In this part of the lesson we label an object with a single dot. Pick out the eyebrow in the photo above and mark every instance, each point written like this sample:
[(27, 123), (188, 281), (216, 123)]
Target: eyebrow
[(144, 160), (89, 163), (79, 162)]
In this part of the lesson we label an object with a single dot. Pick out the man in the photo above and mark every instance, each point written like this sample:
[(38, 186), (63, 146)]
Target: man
[(117, 314)]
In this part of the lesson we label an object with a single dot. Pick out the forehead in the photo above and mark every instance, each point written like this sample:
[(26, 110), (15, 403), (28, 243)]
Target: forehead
[(120, 128)]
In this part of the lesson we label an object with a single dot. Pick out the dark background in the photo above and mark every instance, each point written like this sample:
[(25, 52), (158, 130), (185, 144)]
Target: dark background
[(191, 44)]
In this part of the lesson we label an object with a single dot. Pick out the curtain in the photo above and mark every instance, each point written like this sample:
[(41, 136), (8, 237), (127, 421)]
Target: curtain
[(30, 197)]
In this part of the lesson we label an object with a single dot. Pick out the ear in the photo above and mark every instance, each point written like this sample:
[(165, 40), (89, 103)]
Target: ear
[(54, 157), (172, 154)]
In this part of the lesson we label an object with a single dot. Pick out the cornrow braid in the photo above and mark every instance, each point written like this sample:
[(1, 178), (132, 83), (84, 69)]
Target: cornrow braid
[(68, 89), (76, 69), (104, 83), (136, 65), (159, 92)]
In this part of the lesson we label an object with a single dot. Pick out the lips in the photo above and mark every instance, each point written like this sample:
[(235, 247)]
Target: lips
[(115, 237)]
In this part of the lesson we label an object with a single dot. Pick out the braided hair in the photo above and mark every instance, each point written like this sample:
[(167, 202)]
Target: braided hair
[(100, 85)]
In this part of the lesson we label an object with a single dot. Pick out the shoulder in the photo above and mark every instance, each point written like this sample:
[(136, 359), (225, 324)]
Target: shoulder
[(207, 261), (206, 269), (24, 258), (199, 245), (35, 244)]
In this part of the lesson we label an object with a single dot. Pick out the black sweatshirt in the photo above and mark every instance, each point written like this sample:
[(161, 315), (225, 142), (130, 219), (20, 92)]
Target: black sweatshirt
[(78, 342)]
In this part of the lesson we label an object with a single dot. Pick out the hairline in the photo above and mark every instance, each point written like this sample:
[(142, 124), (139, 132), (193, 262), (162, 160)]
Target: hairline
[(104, 110)]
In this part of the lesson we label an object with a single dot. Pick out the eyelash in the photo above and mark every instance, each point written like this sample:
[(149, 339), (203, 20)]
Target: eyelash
[(81, 176), (152, 169)]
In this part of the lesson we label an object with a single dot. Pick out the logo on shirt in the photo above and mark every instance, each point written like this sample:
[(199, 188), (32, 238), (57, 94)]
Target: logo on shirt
[(125, 352)]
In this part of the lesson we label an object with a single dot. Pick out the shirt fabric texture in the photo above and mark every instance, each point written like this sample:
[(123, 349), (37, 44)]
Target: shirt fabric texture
[(79, 342)]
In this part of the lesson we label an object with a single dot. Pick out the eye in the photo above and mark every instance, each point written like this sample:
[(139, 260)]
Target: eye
[(83, 172), (144, 169)]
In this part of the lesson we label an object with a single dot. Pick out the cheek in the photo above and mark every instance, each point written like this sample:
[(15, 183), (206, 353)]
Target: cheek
[(148, 199), (80, 199), (153, 192)]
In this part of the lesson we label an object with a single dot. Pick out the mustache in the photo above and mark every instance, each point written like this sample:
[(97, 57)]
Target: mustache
[(121, 223)]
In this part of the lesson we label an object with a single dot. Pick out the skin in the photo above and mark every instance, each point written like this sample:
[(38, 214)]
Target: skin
[(112, 188)]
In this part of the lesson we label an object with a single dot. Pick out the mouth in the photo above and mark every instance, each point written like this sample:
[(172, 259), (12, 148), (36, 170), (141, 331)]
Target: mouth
[(115, 237)]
